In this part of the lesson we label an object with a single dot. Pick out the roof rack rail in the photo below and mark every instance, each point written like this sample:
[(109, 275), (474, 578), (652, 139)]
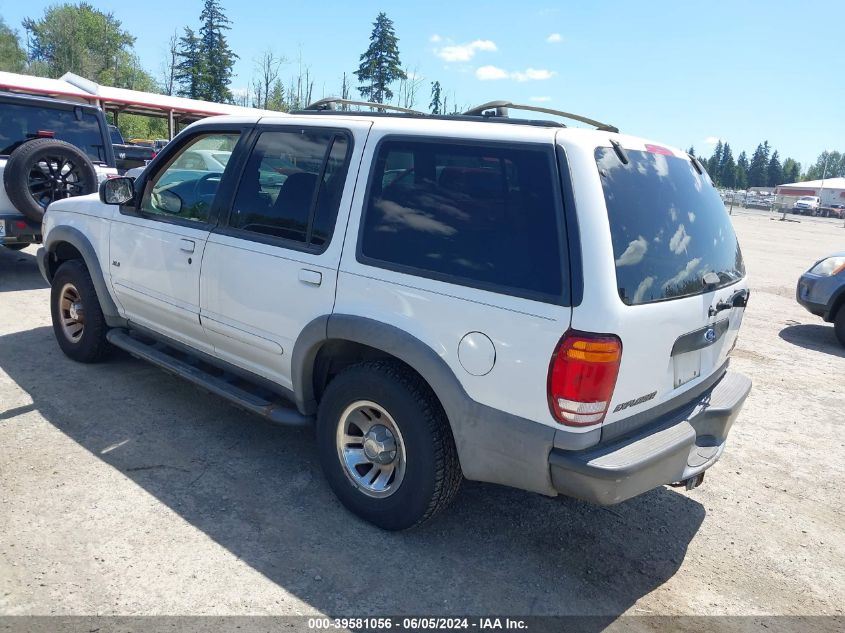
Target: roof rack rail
[(501, 108), (328, 102)]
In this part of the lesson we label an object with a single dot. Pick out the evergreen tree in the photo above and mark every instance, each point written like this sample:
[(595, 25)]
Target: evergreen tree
[(436, 104), (757, 169), (791, 171), (741, 180), (828, 165), (727, 168), (380, 65), (774, 171), (12, 55), (217, 58), (276, 100), (714, 162), (190, 68), (691, 151)]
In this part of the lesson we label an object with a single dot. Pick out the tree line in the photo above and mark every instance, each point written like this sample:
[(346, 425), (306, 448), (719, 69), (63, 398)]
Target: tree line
[(199, 64)]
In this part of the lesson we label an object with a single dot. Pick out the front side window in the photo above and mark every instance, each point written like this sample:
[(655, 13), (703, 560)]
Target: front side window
[(291, 186), (668, 225), (483, 216), (20, 123), (186, 188)]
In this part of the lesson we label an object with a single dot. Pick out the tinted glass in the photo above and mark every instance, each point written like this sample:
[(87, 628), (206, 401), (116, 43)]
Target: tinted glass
[(285, 185), (484, 216), (668, 225), (187, 186), (20, 123)]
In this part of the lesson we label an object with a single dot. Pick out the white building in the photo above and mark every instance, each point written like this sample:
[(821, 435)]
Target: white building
[(830, 191)]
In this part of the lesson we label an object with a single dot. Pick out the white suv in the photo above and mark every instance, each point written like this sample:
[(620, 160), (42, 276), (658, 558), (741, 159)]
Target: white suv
[(472, 296)]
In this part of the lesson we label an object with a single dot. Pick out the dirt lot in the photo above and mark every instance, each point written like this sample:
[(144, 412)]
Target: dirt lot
[(126, 491)]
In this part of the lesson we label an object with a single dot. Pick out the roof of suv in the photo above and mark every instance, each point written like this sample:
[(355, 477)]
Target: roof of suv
[(16, 97)]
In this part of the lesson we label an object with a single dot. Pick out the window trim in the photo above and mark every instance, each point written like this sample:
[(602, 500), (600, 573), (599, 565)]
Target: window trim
[(224, 227), (163, 160), (548, 148)]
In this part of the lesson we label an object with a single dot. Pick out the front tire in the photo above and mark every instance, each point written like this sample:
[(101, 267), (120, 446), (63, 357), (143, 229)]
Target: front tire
[(839, 325), (78, 321), (385, 445)]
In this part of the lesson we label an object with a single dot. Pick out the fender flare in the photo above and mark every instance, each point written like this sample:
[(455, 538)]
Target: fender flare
[(492, 445), (832, 305), (77, 239)]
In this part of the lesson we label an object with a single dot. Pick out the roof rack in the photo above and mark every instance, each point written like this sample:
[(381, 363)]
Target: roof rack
[(501, 110), (328, 102)]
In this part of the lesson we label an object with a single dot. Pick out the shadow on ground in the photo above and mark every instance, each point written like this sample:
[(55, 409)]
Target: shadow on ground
[(817, 337), (257, 490), (19, 270)]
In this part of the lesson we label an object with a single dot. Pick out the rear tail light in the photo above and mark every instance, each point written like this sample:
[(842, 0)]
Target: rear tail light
[(582, 377)]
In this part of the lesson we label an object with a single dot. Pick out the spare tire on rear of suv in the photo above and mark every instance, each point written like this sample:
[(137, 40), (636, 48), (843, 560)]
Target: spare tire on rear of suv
[(45, 170)]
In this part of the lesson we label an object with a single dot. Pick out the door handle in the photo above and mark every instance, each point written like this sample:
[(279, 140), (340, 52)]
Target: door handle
[(186, 245), (310, 277)]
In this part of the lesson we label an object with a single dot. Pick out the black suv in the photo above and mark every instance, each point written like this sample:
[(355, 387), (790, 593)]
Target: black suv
[(49, 149)]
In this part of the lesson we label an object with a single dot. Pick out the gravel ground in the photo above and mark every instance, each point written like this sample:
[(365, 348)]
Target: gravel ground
[(127, 491)]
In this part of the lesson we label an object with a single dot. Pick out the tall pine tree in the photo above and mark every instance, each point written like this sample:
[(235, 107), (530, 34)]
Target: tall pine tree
[(758, 168), (380, 65), (714, 161), (436, 104), (190, 68), (727, 168), (774, 172), (791, 171), (218, 58), (741, 181)]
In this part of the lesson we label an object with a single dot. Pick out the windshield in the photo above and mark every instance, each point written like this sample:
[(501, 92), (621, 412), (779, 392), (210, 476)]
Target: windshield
[(20, 123), (668, 225)]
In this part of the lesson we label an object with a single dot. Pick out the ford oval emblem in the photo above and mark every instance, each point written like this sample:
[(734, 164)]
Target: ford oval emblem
[(710, 335)]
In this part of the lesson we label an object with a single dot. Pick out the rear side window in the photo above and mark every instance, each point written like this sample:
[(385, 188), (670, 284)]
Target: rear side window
[(20, 123), (291, 186), (486, 216), (668, 225)]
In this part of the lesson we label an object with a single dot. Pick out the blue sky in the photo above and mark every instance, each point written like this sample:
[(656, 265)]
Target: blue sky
[(676, 71)]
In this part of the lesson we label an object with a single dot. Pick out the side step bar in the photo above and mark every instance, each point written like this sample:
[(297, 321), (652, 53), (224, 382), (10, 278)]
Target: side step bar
[(268, 406)]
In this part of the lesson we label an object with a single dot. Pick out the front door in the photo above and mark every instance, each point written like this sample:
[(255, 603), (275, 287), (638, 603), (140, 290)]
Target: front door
[(272, 267), (157, 246)]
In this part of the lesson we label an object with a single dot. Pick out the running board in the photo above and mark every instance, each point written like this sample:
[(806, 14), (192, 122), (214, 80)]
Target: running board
[(234, 389)]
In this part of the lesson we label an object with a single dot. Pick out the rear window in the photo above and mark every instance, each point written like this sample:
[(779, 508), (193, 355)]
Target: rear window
[(479, 215), (668, 225), (20, 123)]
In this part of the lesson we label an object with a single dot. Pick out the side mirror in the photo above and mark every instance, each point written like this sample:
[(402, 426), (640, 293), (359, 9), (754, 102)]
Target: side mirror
[(117, 190)]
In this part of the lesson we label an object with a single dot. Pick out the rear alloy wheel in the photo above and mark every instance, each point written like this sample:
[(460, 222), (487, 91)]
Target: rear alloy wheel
[(386, 446), (78, 321)]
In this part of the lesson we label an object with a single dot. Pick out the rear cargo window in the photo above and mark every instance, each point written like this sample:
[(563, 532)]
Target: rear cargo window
[(478, 215), (20, 123), (668, 225)]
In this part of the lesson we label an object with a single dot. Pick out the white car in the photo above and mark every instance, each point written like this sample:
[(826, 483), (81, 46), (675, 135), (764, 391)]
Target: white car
[(475, 296)]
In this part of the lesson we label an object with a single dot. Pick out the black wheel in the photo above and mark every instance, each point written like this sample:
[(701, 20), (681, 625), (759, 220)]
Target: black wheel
[(45, 170), (839, 325), (78, 321), (16, 247), (385, 445)]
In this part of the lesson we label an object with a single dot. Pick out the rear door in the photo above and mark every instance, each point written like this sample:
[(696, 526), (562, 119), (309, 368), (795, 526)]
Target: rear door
[(679, 278), (271, 268), (156, 247)]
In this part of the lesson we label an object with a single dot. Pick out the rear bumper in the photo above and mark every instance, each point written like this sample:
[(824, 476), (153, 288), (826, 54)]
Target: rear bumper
[(671, 450), (19, 230)]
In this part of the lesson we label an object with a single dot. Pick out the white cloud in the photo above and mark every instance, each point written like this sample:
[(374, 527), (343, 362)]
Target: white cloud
[(634, 254), (712, 140), (541, 99), (684, 273), (680, 240), (554, 38), (435, 38), (488, 73), (644, 286), (464, 52)]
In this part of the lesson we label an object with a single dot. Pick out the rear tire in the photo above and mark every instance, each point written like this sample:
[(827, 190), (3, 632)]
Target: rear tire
[(405, 468), (78, 321), (839, 325)]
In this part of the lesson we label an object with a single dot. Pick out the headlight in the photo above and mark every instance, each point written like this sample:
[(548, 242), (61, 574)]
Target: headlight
[(829, 266)]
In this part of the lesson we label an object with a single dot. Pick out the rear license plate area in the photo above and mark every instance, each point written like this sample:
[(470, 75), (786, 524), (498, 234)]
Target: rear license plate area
[(686, 367)]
